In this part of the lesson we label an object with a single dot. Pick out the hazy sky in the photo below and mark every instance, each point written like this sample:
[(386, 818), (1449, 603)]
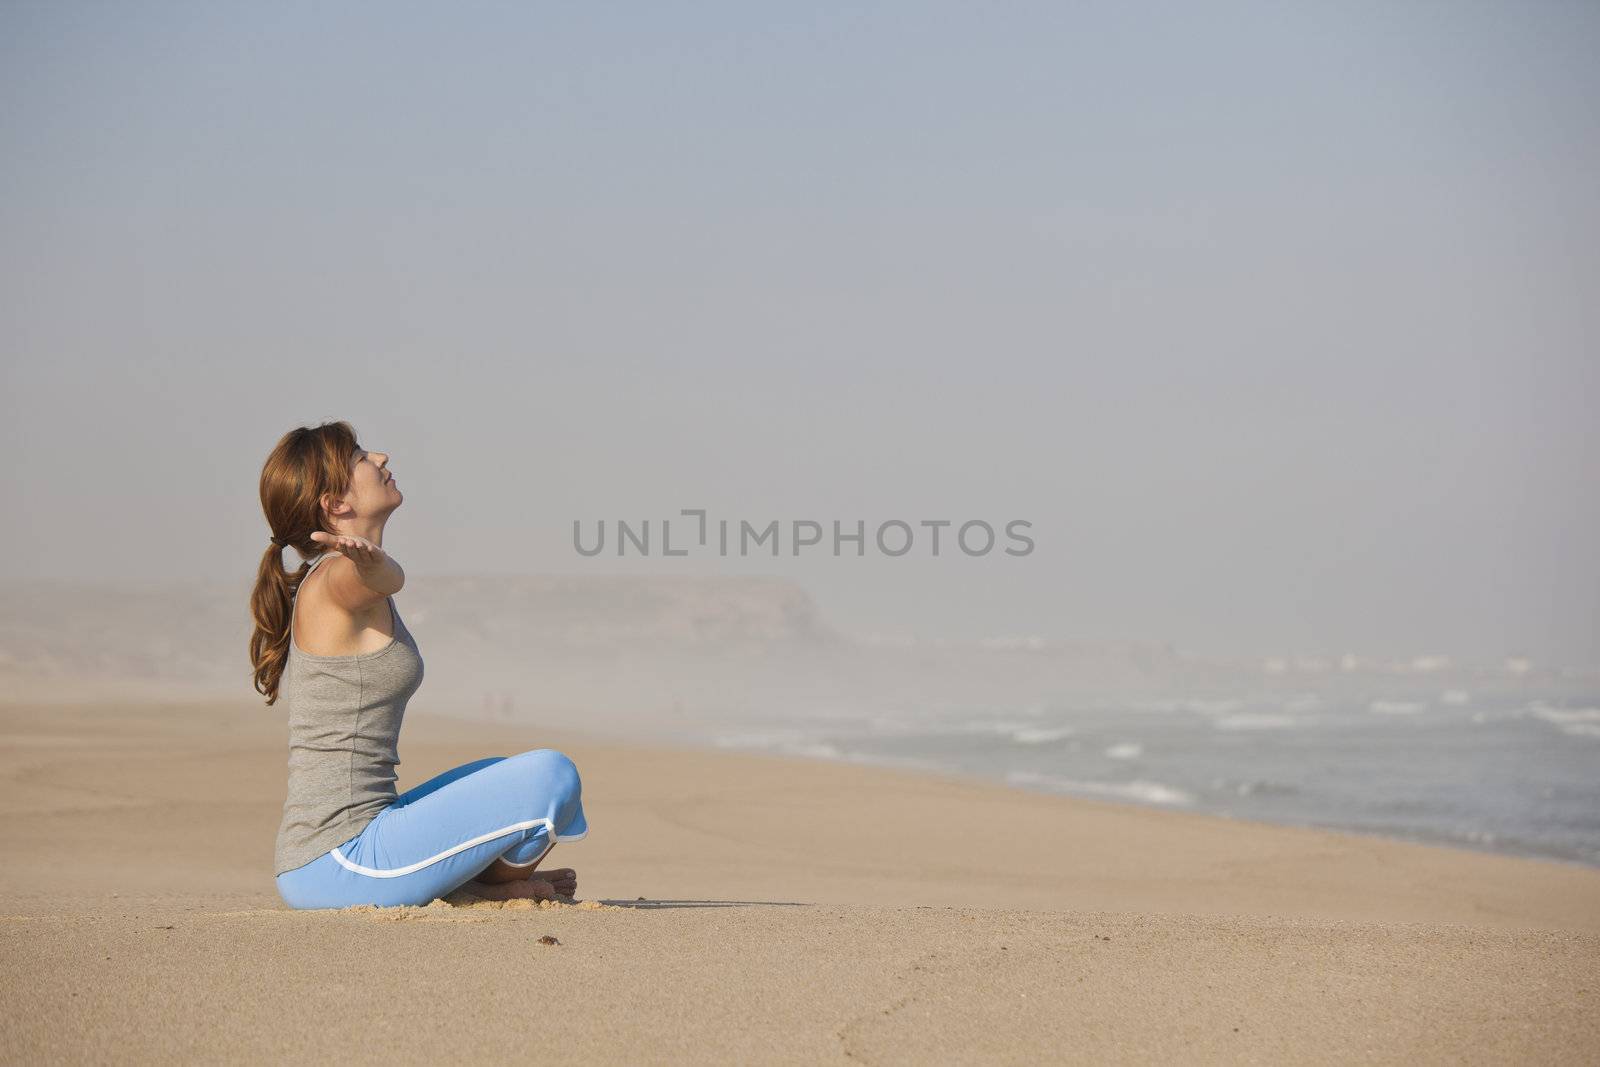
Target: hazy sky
[(1277, 321)]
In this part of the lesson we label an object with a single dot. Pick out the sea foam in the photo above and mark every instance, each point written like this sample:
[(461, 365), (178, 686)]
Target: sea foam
[(1139, 790), (1040, 735), (1396, 707), (1254, 721)]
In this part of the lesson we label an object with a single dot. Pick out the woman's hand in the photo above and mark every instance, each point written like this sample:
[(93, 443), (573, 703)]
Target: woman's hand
[(363, 553), (376, 573)]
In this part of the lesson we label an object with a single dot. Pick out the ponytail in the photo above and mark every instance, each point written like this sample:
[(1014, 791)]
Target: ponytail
[(271, 606)]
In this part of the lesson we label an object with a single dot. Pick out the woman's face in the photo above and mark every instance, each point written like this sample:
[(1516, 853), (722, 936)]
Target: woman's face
[(373, 490)]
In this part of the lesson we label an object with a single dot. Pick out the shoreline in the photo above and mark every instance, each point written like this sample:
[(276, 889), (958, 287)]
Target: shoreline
[(981, 813), (162, 693), (913, 766)]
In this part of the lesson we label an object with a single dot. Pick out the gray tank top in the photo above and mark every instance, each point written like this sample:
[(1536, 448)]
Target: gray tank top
[(344, 733)]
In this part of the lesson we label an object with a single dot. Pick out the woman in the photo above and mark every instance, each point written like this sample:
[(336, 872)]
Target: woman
[(331, 634)]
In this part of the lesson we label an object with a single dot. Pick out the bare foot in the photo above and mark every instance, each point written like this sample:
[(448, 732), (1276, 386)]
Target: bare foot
[(564, 879), (530, 889)]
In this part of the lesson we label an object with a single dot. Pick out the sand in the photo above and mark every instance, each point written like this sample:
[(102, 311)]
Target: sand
[(791, 912)]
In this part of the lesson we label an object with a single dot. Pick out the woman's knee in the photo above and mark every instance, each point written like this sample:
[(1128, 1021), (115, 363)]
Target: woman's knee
[(549, 786), (551, 769)]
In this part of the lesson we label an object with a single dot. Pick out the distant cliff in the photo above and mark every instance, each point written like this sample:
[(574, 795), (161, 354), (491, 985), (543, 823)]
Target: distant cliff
[(618, 649), (621, 645), (200, 632)]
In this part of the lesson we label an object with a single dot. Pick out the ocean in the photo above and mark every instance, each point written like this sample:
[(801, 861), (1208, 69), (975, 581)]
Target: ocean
[(1500, 774)]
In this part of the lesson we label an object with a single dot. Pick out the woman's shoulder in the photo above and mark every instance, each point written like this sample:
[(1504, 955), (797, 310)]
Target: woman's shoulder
[(325, 627), (342, 583)]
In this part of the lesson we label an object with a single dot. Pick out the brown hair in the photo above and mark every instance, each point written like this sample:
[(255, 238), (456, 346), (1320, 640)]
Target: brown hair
[(306, 463)]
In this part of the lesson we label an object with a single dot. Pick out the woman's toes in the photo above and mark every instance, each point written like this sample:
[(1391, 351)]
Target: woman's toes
[(565, 880), (523, 889)]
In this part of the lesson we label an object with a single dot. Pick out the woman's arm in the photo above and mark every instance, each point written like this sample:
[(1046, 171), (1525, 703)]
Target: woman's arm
[(372, 575)]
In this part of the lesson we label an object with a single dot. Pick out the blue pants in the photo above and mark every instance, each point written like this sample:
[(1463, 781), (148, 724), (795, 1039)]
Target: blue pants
[(447, 831)]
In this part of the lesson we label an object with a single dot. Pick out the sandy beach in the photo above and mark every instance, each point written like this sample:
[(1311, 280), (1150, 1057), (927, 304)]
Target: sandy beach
[(754, 909)]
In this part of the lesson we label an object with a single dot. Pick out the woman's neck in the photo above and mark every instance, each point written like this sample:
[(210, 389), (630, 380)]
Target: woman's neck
[(371, 531)]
